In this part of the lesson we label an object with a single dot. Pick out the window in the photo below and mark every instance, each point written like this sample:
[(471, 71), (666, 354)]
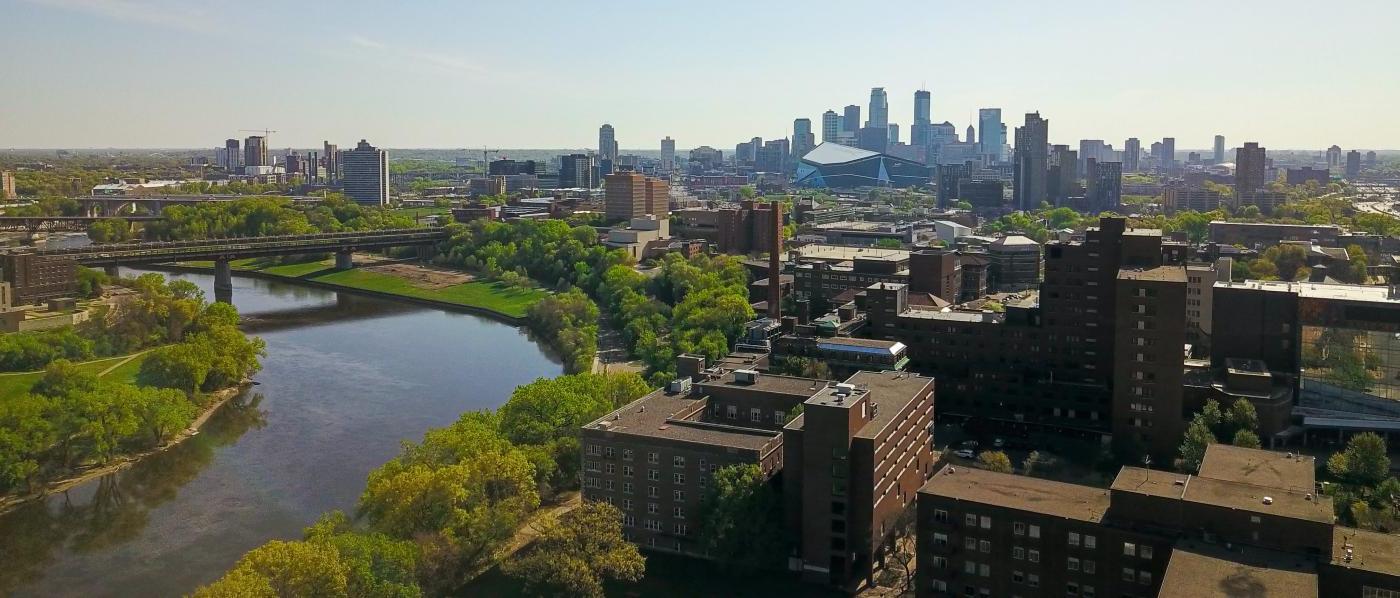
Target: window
[(984, 570), (1074, 538), (970, 519), (651, 457), (653, 525), (677, 461), (940, 539), (629, 521), (984, 546), (652, 492), (1090, 541), (1129, 549), (1035, 531), (653, 475), (702, 465), (986, 522), (1129, 574), (1018, 553), (940, 562), (593, 449), (626, 454), (1033, 580), (942, 586), (1087, 591), (627, 504), (627, 487), (1018, 528), (940, 516), (1071, 589), (1089, 566), (677, 478), (969, 567), (779, 416), (1374, 592), (1145, 551), (678, 512), (681, 529), (678, 495), (610, 468), (755, 415), (627, 470), (732, 412), (608, 452), (1034, 556), (652, 508), (1018, 577), (1145, 577), (970, 543), (608, 485), (1072, 564)]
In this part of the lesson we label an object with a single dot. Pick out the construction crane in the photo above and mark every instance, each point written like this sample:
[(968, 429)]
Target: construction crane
[(265, 132), (486, 160)]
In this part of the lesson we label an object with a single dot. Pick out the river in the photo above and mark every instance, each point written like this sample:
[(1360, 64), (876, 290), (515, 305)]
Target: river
[(345, 381)]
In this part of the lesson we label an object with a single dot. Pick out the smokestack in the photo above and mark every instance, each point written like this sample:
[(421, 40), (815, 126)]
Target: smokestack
[(775, 298)]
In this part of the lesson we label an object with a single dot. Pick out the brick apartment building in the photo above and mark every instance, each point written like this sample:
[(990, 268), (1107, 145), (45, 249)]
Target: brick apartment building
[(1053, 365), (630, 195), (1247, 525), (34, 279), (848, 465)]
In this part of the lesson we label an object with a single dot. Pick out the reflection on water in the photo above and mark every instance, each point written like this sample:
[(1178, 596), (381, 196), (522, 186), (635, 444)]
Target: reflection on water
[(346, 380)]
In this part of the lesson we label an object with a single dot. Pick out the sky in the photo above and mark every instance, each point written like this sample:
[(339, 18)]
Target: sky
[(535, 74)]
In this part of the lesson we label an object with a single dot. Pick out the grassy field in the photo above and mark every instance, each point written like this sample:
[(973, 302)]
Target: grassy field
[(487, 295), (13, 384), (297, 270)]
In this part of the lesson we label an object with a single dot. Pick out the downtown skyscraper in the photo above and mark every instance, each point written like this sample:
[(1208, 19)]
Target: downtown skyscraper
[(1032, 161), (831, 126), (802, 138), (607, 143), (993, 138), (366, 174), (851, 119), (668, 154), (1219, 149), (1132, 150), (879, 109), (923, 118)]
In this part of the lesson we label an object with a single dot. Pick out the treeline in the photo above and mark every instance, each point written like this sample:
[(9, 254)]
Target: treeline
[(267, 216), (1290, 262), (440, 513), (568, 321), (69, 417), (698, 305)]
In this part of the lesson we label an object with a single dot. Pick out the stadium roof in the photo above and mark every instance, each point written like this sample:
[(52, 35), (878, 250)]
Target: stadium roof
[(835, 153)]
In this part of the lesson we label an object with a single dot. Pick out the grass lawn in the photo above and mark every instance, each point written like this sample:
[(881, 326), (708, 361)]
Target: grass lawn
[(13, 384), (416, 213), (487, 295), (297, 270)]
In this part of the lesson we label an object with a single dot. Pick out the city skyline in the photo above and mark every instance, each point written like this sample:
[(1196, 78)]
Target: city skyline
[(428, 87)]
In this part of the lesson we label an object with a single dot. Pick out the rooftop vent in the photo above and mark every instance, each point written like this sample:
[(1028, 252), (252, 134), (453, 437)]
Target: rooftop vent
[(1268, 500), (844, 389), (679, 385), (745, 376)]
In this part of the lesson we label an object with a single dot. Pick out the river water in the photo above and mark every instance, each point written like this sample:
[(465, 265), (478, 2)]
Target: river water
[(345, 381)]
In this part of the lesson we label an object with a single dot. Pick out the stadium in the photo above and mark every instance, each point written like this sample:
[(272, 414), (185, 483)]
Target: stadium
[(836, 166)]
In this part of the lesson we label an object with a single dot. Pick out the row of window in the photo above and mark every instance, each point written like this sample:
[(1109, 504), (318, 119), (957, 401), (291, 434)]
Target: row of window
[(652, 491)]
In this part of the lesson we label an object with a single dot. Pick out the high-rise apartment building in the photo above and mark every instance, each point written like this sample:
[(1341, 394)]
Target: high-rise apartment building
[(1103, 183), (831, 126), (879, 109), (233, 155), (366, 174), (923, 117), (255, 151), (1031, 163), (894, 133), (1353, 165), (1167, 161), (1334, 157), (576, 172), (668, 154), (607, 143), (1219, 149), (330, 155), (851, 119), (7, 185), (630, 195), (1090, 149), (1249, 169), (1061, 182), (802, 138), (1132, 152), (993, 134)]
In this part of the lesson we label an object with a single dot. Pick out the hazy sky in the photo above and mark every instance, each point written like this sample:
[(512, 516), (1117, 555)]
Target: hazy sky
[(523, 74)]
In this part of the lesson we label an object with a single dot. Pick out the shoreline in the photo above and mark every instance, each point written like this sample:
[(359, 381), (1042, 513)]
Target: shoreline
[(220, 397), (433, 303)]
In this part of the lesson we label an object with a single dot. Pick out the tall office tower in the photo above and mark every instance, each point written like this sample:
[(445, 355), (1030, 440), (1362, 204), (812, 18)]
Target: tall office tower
[(1061, 181), (292, 163), (831, 125), (894, 133), (330, 154), (255, 151), (802, 138), (923, 110), (1031, 162), (852, 118), (1089, 149), (879, 109), (1105, 186), (971, 135), (993, 134), (1334, 157), (576, 172), (366, 176), (1132, 151), (607, 143), (234, 159), (773, 156), (1353, 164), (668, 154), (1168, 159), (1219, 149), (630, 195), (1249, 169), (1371, 158), (313, 167)]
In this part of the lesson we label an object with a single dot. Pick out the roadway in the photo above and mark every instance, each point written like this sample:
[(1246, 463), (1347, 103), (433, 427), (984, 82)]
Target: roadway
[(116, 254)]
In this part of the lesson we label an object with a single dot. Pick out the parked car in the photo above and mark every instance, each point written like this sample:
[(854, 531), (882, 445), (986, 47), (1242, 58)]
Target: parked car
[(964, 453)]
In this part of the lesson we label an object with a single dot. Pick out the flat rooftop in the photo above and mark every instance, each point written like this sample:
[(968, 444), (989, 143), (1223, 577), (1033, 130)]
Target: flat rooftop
[(1160, 273), (664, 415), (1022, 493), (954, 316), (1197, 570), (1269, 469), (892, 391), (1370, 551), (770, 383), (1283, 502), (1376, 294), (842, 253)]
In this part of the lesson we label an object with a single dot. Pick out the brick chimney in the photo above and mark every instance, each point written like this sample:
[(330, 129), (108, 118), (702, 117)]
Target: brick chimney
[(775, 264)]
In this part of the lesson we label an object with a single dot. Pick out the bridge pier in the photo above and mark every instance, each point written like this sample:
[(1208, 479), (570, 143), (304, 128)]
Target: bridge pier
[(426, 253), (344, 260), (223, 281), (112, 272)]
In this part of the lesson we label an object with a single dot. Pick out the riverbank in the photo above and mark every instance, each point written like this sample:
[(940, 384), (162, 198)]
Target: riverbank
[(403, 280), (217, 400)]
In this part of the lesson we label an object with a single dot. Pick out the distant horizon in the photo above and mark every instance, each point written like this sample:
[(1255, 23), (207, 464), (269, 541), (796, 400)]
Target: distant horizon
[(171, 74), (622, 150)]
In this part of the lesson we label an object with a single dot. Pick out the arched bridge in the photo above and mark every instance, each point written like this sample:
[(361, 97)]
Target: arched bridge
[(223, 250), (45, 224)]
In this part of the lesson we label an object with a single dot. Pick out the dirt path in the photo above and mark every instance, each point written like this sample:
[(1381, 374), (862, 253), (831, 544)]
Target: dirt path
[(531, 530), (122, 362)]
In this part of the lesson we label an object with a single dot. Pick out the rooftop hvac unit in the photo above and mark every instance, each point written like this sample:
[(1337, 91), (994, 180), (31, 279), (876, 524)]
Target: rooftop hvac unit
[(745, 376), (679, 385), (845, 389)]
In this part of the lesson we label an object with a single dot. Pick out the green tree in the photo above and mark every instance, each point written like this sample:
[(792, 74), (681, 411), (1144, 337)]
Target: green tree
[(63, 378), (283, 570), (577, 554), (1193, 444), (183, 366), (994, 461), (739, 520), (376, 565), (1245, 438), (1364, 462), (887, 243), (163, 412), (109, 230), (1242, 416), (25, 434)]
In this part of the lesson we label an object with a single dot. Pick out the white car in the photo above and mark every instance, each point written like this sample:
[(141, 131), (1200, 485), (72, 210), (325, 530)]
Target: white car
[(964, 453)]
